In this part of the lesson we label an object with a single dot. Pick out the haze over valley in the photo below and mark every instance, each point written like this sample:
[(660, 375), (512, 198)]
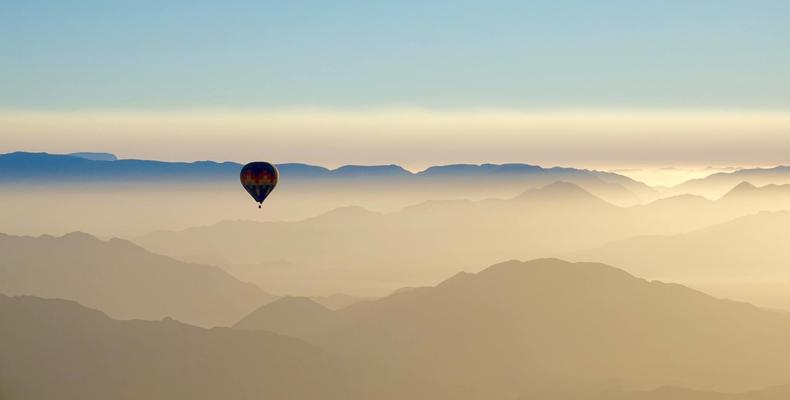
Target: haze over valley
[(401, 200), (370, 298)]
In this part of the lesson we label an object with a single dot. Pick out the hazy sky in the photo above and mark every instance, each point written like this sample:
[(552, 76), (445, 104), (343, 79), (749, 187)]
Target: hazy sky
[(100, 75)]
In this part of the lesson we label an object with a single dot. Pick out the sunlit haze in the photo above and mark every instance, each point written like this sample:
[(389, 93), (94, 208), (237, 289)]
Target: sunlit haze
[(395, 200), (418, 138)]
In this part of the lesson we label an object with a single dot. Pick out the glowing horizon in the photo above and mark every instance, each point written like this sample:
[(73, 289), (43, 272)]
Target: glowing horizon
[(415, 138)]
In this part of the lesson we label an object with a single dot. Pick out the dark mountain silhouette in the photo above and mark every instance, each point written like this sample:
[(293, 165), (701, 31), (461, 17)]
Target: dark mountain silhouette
[(56, 349), (123, 279), (43, 167), (22, 167), (520, 327), (299, 317), (716, 185), (128, 198), (20, 164)]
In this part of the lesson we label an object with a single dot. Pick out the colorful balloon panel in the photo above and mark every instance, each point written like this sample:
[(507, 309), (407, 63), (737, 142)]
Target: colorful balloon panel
[(259, 179)]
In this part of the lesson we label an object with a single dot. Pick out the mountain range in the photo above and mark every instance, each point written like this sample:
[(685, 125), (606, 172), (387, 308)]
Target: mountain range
[(769, 197), (427, 241), (56, 349), (517, 329), (123, 280), (130, 198), (718, 184), (539, 330), (423, 242), (749, 252), (40, 168)]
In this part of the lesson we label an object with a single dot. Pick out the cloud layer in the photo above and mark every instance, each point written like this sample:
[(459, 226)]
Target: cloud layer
[(414, 138)]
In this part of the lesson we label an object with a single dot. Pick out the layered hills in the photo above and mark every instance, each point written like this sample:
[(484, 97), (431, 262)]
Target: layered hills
[(544, 329), (123, 280), (517, 329), (58, 349), (372, 252)]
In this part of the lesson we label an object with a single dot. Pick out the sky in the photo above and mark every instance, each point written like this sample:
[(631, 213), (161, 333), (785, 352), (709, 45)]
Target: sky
[(143, 64)]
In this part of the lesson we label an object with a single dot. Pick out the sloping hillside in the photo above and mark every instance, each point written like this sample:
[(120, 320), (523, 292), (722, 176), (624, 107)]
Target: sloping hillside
[(299, 317), (374, 253), (518, 327), (746, 258), (56, 349), (123, 280)]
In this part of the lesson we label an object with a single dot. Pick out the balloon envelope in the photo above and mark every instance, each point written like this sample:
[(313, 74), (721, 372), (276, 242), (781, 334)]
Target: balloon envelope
[(259, 179)]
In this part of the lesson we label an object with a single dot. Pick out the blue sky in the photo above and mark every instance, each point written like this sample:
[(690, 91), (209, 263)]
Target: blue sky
[(678, 54)]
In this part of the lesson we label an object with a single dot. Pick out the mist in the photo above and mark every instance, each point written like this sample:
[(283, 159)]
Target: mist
[(403, 200)]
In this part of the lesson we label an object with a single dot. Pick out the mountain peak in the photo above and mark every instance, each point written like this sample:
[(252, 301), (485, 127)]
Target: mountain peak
[(748, 191), (287, 308), (564, 187), (295, 316), (678, 200), (558, 191), (742, 188), (80, 236), (720, 183), (456, 279), (114, 243), (553, 270)]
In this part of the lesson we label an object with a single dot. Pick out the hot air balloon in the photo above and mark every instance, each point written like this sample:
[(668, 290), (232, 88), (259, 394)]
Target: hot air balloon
[(259, 179)]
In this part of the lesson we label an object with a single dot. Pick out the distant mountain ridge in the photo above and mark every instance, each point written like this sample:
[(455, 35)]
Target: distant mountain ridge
[(26, 167), (718, 184), (771, 194), (43, 167)]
